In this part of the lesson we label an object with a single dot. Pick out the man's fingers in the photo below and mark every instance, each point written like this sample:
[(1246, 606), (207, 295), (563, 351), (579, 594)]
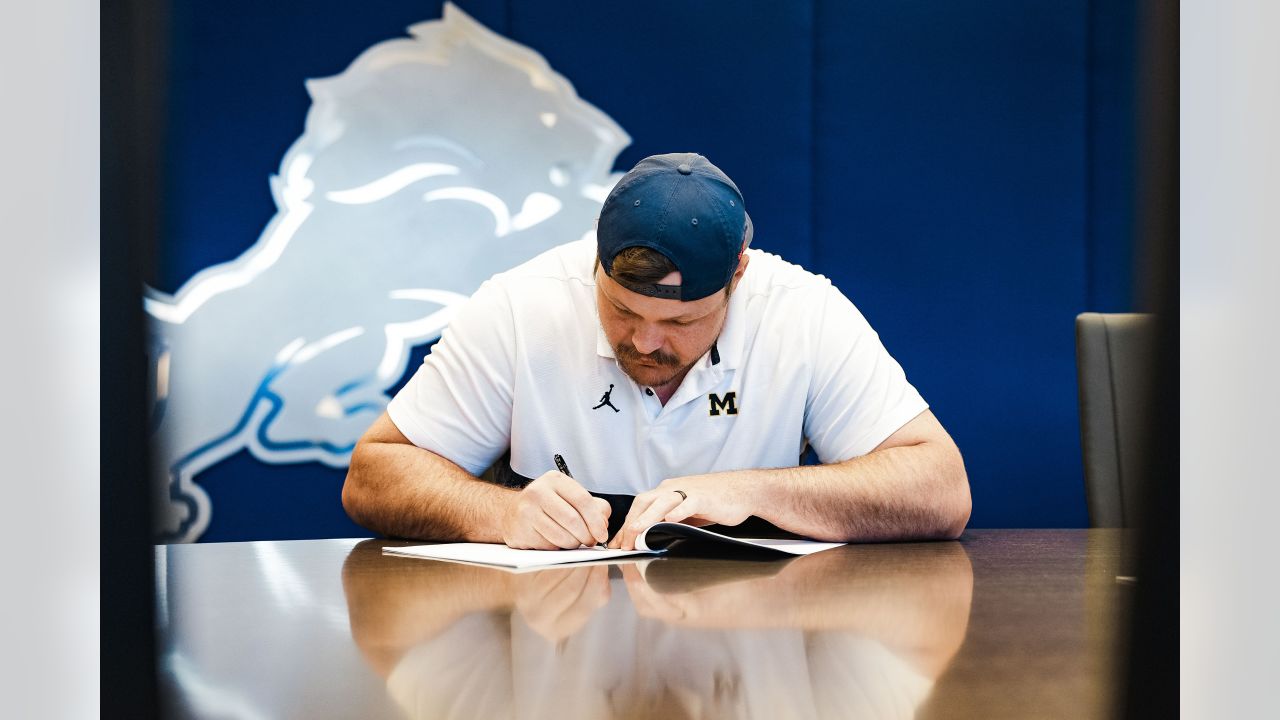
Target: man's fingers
[(555, 533), (664, 504), (570, 490), (568, 517), (600, 519), (594, 518), (638, 506), (682, 510), (657, 509)]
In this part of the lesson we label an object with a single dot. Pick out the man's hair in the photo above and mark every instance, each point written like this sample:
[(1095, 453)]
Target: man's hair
[(641, 266), (638, 265)]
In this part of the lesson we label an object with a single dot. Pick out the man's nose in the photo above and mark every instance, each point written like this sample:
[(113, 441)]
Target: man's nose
[(647, 338)]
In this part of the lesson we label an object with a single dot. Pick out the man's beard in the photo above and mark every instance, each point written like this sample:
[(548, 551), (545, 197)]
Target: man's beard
[(665, 367)]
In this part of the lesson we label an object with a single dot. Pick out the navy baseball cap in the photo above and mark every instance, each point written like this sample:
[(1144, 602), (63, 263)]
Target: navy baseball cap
[(684, 207)]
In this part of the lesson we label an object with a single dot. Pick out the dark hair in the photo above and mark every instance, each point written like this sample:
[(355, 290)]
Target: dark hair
[(640, 266), (637, 266)]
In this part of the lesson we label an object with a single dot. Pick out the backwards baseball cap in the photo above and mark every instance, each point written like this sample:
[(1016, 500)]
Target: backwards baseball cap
[(685, 208)]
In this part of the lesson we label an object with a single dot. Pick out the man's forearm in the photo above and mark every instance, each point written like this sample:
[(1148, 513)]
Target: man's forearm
[(404, 491), (899, 493)]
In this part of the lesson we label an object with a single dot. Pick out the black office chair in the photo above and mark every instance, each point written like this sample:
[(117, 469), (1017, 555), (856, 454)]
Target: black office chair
[(1114, 354)]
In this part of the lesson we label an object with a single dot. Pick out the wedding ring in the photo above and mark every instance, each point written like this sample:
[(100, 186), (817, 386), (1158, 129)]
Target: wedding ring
[(683, 497)]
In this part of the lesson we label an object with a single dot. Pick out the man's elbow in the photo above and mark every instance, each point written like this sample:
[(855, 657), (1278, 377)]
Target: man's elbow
[(354, 490), (959, 504), (350, 499)]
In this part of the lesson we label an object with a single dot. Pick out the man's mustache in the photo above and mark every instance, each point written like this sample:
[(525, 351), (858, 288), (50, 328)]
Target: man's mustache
[(628, 352)]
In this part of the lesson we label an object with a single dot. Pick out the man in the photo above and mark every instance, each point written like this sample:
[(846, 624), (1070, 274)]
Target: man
[(668, 362)]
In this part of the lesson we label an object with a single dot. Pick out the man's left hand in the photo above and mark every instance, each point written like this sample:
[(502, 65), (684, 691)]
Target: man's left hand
[(722, 498)]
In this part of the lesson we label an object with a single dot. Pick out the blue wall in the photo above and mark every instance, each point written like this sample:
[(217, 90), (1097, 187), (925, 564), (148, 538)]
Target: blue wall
[(962, 170)]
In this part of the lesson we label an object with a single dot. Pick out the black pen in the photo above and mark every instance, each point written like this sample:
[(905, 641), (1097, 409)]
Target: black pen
[(562, 467)]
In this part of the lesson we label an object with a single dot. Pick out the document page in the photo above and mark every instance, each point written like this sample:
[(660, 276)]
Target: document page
[(671, 536), (661, 538), (503, 556)]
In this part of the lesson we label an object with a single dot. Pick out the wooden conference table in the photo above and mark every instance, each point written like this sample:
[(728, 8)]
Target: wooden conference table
[(1003, 623)]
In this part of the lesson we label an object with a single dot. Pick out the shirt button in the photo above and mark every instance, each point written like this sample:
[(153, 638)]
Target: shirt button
[(648, 391)]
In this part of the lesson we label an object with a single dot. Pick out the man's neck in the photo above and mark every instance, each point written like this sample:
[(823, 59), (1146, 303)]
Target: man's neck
[(666, 390)]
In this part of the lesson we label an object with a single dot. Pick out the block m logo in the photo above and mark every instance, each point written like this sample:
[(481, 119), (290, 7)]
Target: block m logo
[(729, 405)]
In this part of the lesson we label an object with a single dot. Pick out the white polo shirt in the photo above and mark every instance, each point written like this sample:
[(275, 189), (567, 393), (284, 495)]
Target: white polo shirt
[(525, 364)]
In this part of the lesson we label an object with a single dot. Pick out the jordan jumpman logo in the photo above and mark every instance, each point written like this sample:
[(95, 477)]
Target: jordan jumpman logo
[(604, 400)]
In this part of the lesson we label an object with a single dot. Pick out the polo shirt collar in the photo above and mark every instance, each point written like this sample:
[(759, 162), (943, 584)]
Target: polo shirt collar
[(733, 334), (603, 348)]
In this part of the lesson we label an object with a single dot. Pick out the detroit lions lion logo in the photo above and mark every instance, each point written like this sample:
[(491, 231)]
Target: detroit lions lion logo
[(429, 164)]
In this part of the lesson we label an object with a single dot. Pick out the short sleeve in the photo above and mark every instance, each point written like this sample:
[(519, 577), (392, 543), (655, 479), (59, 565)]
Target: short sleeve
[(858, 395), (458, 403)]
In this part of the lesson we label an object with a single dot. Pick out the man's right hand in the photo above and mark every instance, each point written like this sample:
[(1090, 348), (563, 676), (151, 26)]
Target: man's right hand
[(555, 512)]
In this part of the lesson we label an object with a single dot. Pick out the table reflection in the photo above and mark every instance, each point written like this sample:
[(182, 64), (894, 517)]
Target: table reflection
[(860, 631)]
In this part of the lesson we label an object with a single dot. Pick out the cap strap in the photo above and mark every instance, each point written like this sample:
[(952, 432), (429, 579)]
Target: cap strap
[(665, 292)]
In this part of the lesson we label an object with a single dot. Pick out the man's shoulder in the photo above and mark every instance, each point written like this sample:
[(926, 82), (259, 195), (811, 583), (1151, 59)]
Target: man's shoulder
[(568, 264), (551, 293), (769, 276)]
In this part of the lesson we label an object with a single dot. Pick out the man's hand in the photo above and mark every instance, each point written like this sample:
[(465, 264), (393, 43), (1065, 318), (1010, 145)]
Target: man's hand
[(555, 512), (706, 499)]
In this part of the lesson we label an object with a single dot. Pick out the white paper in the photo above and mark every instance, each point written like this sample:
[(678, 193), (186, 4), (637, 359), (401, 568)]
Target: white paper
[(794, 547), (498, 555), (503, 556)]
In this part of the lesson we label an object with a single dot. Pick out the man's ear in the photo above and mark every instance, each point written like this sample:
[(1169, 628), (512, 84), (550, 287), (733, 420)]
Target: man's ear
[(743, 259)]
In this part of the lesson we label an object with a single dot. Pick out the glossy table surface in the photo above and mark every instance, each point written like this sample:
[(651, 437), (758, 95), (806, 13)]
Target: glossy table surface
[(1003, 623)]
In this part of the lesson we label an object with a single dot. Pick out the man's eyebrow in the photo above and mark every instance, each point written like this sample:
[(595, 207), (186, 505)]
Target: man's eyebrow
[(687, 317), (615, 303)]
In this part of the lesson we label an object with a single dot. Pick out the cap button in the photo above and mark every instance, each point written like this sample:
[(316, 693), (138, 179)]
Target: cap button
[(684, 169)]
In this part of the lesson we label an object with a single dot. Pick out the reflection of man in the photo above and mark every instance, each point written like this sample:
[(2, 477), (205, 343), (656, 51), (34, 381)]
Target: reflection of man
[(847, 633), (721, 374)]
